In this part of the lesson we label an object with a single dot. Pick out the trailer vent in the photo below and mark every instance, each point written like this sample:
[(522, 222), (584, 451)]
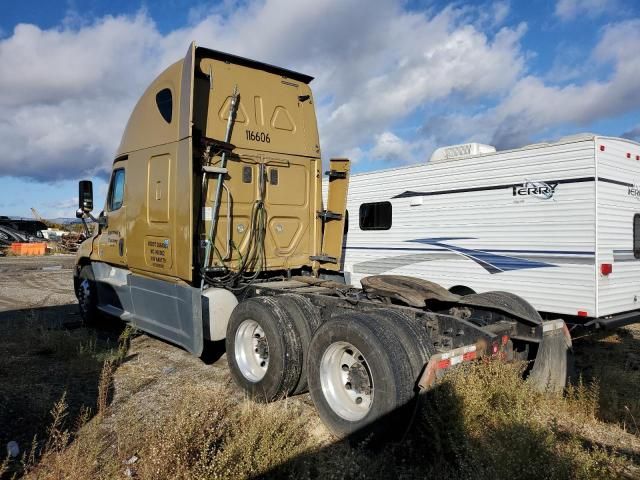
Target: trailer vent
[(458, 151)]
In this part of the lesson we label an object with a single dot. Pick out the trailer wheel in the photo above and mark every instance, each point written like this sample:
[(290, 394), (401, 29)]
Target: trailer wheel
[(306, 320), (263, 349), (360, 376), (87, 295)]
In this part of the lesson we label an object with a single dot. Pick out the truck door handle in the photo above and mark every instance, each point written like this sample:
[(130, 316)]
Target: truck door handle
[(121, 247)]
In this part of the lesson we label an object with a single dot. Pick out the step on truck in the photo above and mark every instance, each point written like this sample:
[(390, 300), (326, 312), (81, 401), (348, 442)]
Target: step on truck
[(214, 229)]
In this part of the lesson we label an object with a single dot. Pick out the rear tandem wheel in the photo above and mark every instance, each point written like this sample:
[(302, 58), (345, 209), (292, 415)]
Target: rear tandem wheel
[(361, 377)]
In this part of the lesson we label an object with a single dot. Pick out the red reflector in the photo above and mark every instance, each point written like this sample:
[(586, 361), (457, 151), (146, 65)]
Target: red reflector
[(628, 155), (443, 363), (602, 148), (637, 157), (505, 339), (582, 313), (469, 356), (494, 349), (606, 268)]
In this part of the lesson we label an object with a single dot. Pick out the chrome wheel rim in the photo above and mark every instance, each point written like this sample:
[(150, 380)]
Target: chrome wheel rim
[(346, 381), (251, 350)]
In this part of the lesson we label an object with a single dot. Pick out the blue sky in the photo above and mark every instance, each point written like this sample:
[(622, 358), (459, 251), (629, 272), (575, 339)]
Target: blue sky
[(394, 79)]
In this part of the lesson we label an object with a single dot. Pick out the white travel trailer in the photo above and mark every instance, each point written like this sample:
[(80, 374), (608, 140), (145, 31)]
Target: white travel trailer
[(556, 223)]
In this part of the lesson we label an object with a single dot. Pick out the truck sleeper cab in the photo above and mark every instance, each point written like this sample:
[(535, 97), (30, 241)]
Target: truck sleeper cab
[(214, 229)]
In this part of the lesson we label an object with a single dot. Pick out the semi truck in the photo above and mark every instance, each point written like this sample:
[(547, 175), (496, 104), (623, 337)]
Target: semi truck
[(557, 223), (214, 229)]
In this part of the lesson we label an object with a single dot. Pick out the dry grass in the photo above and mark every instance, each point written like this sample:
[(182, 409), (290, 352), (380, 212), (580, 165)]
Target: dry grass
[(481, 421), (40, 364), (613, 358)]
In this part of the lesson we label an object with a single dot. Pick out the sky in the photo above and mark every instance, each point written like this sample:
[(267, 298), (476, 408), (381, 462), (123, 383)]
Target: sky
[(393, 79)]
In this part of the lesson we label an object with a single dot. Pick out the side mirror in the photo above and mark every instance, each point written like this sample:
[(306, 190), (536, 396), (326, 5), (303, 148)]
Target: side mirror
[(85, 196)]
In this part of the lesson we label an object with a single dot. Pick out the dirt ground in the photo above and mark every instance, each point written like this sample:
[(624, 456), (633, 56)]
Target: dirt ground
[(38, 292), (37, 302)]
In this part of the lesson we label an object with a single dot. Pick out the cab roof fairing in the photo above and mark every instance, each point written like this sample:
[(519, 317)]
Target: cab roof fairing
[(202, 52)]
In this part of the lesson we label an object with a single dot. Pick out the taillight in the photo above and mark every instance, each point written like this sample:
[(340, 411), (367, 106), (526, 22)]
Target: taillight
[(606, 268)]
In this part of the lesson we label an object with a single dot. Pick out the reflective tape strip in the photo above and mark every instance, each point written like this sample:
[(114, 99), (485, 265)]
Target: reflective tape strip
[(458, 351)]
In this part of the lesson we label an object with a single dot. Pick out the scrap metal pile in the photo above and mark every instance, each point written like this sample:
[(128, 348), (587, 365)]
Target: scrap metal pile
[(14, 231), (70, 242)]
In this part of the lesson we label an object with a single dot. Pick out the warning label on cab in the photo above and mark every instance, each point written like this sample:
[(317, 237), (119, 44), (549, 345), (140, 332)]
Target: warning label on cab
[(157, 252)]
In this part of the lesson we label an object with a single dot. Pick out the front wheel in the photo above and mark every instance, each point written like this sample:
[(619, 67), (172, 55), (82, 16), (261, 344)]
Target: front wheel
[(360, 376), (87, 295)]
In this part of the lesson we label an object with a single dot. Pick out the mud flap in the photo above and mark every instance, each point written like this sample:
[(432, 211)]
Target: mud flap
[(551, 366)]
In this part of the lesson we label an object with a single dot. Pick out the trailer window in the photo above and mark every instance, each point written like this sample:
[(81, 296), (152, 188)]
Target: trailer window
[(375, 216), (164, 101), (116, 190), (636, 235)]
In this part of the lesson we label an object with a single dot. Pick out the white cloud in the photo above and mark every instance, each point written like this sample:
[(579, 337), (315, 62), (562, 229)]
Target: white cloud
[(65, 93), (570, 9), (390, 147), (393, 149), (533, 107)]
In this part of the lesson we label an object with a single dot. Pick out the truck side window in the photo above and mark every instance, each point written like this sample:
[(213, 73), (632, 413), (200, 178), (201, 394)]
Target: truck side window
[(636, 235), (116, 190), (375, 216), (164, 101)]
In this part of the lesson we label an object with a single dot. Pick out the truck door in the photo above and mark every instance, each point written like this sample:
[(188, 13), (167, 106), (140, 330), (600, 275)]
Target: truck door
[(112, 245)]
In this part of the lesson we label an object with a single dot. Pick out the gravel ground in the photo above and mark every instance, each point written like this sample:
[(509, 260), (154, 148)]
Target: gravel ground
[(33, 282)]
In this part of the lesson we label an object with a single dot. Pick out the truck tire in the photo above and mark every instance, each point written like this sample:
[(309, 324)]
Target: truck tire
[(507, 301), (86, 292), (263, 349), (306, 320), (413, 338), (360, 376), (511, 302)]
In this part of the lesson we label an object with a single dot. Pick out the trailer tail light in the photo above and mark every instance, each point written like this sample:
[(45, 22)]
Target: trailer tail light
[(606, 269), (583, 313), (602, 148), (628, 155), (637, 157)]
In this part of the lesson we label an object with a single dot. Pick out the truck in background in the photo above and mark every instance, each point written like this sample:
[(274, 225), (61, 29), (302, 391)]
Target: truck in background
[(214, 229)]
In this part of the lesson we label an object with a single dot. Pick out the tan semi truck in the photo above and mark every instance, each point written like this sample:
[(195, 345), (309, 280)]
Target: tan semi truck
[(214, 229)]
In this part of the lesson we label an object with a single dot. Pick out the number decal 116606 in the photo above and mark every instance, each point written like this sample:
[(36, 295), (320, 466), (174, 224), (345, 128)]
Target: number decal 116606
[(258, 136)]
